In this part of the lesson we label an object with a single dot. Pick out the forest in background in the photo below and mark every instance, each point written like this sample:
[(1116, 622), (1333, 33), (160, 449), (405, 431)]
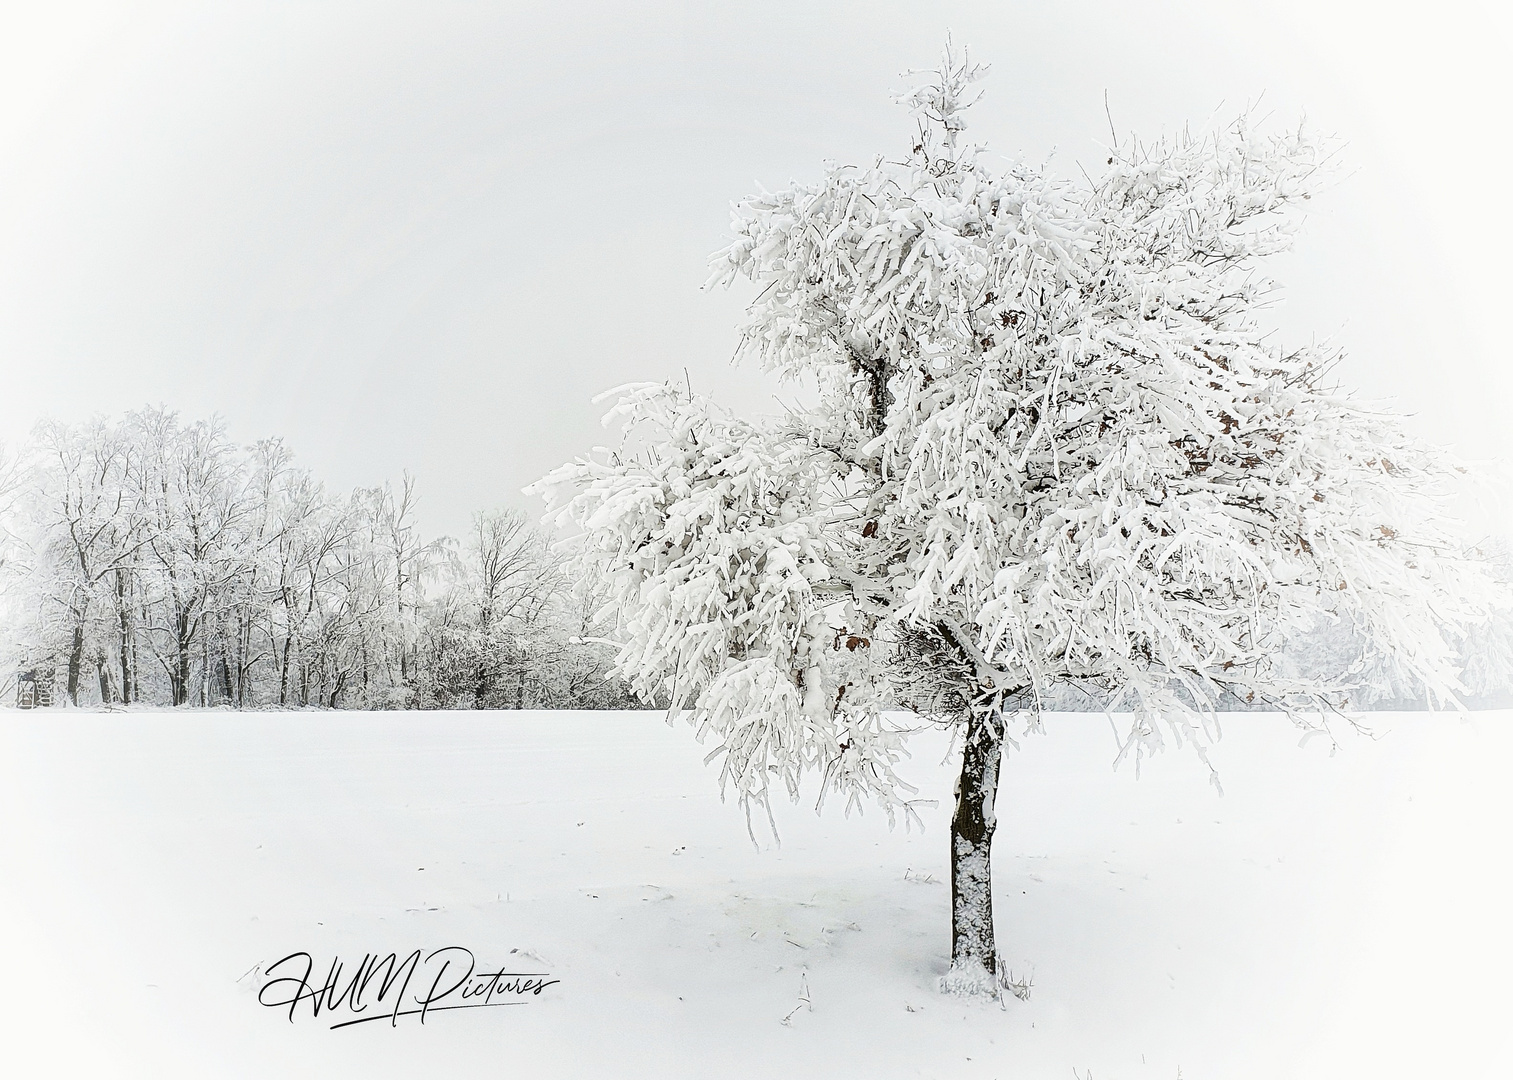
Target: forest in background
[(147, 560)]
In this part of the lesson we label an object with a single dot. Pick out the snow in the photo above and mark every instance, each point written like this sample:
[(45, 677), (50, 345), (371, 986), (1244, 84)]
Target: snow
[(1330, 916)]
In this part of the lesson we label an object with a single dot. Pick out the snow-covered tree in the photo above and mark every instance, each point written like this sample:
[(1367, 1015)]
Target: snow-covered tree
[(166, 565), (502, 631), (79, 494), (1048, 445)]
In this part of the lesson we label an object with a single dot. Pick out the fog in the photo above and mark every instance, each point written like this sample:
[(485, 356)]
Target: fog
[(423, 236)]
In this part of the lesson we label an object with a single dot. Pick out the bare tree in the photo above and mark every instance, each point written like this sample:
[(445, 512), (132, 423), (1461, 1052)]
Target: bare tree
[(176, 567), (197, 507), (513, 581), (90, 531)]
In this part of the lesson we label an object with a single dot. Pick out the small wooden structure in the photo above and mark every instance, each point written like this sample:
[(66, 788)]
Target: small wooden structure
[(34, 688)]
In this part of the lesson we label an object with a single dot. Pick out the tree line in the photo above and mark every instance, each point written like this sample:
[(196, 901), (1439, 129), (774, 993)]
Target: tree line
[(144, 560), (149, 560)]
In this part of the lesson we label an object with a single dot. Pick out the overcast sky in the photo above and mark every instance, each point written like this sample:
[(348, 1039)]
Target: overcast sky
[(423, 235)]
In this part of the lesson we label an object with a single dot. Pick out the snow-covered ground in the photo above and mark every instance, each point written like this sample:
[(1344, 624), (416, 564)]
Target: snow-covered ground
[(1329, 916)]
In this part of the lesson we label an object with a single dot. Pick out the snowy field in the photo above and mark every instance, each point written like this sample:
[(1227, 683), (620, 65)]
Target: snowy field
[(1329, 916)]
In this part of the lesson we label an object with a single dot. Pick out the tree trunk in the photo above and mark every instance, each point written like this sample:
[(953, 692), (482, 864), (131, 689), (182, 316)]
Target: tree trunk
[(205, 668), (974, 960), (181, 659), (243, 663), (136, 660), (283, 673), (76, 661), (124, 616), (336, 689)]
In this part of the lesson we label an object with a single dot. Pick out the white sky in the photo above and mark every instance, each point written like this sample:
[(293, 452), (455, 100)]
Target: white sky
[(424, 235)]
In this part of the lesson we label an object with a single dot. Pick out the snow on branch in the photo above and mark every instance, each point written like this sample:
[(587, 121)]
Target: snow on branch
[(1052, 447)]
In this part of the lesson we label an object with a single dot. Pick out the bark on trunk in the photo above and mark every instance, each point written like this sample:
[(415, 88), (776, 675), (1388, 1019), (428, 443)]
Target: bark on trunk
[(974, 959), (180, 677), (76, 661), (124, 618)]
